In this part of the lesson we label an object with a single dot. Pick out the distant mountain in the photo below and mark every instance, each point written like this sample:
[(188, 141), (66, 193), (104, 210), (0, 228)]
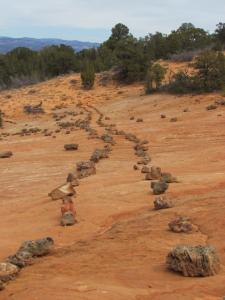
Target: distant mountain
[(7, 44)]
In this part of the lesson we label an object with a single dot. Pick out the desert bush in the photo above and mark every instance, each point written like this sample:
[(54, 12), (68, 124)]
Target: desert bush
[(88, 75), (210, 67), (155, 75), (209, 74), (181, 83)]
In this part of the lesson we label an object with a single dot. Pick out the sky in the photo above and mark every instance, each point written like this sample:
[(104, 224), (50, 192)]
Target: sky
[(92, 20)]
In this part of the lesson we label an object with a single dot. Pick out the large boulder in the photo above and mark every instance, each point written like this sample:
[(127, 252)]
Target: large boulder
[(194, 261), (182, 224), (68, 219), (85, 168), (162, 202), (5, 154), (71, 147), (8, 271), (159, 187), (39, 247), (62, 191)]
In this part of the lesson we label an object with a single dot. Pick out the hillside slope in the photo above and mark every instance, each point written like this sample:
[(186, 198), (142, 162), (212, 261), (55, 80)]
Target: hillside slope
[(7, 44), (119, 246)]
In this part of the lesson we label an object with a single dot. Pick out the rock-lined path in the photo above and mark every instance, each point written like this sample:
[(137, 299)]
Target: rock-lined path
[(119, 245)]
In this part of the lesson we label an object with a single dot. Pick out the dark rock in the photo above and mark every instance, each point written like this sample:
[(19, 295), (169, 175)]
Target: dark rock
[(71, 147), (85, 169), (220, 102), (194, 261), (35, 109), (145, 170), (182, 224), (159, 187), (135, 167), (99, 154), (72, 179), (163, 116), (39, 247), (140, 153), (108, 139), (169, 178), (5, 154), (155, 172), (162, 203), (211, 107), (21, 259), (139, 120), (143, 147), (173, 119), (68, 219)]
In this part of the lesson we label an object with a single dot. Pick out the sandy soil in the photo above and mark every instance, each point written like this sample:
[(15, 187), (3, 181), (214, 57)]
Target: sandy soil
[(119, 246)]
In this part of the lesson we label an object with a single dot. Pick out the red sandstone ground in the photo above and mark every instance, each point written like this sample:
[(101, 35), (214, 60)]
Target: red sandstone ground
[(117, 250)]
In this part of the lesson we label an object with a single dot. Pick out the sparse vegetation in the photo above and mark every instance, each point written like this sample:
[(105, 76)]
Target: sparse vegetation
[(209, 74), (88, 75), (129, 56), (155, 75)]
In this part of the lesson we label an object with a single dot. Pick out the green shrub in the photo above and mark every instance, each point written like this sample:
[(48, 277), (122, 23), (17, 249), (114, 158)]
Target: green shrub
[(210, 67), (155, 75), (88, 76)]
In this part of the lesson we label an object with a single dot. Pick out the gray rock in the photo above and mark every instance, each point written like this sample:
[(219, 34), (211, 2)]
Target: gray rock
[(99, 154), (108, 139), (39, 247), (145, 170), (162, 203), (73, 179), (68, 219), (211, 107), (71, 147), (173, 119), (85, 169), (220, 102), (182, 225), (21, 259), (5, 154), (159, 187), (169, 178), (194, 261)]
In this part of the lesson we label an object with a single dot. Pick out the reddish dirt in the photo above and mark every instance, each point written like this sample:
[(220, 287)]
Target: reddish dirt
[(119, 246)]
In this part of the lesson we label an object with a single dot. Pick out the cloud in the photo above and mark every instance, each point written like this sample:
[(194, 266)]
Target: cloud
[(141, 16)]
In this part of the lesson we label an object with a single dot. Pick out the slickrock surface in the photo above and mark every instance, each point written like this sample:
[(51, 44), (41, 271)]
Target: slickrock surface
[(117, 249)]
